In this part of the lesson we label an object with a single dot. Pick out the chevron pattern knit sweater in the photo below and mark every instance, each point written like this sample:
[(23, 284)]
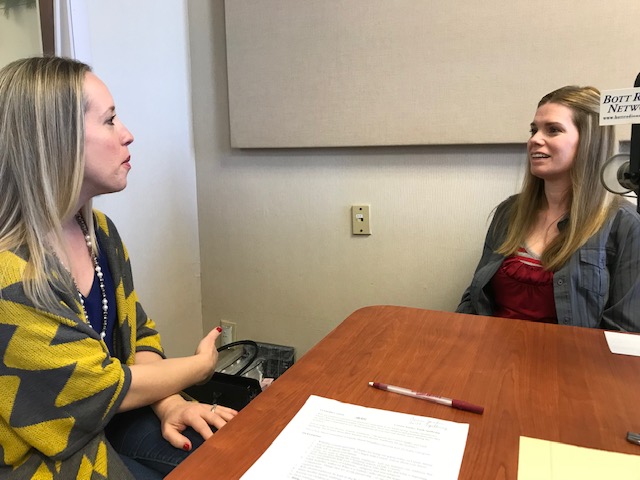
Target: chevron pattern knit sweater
[(59, 386)]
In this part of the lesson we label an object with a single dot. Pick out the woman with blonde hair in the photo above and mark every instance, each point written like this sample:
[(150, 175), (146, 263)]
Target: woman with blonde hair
[(86, 391), (564, 250)]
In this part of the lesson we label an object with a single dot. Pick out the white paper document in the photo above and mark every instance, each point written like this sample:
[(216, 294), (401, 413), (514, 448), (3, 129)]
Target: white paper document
[(623, 343), (331, 440)]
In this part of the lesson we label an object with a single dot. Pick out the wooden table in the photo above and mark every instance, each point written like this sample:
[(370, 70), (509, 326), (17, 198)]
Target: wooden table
[(545, 381)]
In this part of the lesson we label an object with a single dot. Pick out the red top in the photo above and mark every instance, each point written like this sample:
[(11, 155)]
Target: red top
[(523, 289)]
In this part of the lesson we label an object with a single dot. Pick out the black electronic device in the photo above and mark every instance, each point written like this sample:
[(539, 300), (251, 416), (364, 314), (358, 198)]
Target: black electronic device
[(621, 173)]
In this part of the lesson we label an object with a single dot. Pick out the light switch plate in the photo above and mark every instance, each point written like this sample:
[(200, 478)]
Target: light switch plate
[(360, 220)]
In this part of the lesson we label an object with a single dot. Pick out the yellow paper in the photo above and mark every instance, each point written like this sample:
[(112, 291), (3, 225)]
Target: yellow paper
[(545, 460)]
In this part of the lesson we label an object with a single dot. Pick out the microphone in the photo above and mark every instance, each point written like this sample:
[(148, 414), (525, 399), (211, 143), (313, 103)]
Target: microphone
[(627, 173), (627, 178), (633, 174)]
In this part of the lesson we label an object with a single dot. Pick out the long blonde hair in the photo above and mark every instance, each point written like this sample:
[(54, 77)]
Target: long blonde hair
[(41, 163), (590, 204)]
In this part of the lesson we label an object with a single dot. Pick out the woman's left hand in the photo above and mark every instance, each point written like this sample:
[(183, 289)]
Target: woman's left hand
[(176, 414)]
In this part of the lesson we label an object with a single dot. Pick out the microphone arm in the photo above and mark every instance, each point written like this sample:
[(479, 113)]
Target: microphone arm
[(634, 155)]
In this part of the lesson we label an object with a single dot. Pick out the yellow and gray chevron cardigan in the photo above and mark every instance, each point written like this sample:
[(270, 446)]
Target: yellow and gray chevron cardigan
[(59, 386)]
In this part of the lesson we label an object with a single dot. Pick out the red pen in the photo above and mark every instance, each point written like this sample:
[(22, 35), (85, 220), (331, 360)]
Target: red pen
[(449, 402)]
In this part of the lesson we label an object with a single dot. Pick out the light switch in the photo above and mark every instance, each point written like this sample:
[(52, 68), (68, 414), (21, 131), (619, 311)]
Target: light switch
[(360, 220)]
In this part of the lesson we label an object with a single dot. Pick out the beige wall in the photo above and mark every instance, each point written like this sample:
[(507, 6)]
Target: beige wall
[(266, 241), (140, 50), (19, 34), (277, 255)]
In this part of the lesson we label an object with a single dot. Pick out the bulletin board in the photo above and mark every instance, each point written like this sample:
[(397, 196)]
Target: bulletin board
[(326, 73)]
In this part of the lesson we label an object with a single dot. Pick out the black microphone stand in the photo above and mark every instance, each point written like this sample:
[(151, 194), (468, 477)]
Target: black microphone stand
[(633, 175)]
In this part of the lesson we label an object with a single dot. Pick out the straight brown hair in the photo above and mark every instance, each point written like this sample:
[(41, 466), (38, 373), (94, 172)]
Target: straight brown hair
[(590, 204)]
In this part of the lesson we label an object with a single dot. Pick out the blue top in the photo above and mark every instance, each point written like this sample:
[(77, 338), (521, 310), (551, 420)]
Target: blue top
[(93, 302)]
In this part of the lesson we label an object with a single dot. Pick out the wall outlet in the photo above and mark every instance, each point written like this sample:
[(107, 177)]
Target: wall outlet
[(228, 332)]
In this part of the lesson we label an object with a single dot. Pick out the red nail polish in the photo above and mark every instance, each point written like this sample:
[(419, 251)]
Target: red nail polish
[(186, 447), (219, 329)]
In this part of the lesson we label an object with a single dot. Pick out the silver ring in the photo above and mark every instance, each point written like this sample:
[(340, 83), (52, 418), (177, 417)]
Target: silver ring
[(213, 407)]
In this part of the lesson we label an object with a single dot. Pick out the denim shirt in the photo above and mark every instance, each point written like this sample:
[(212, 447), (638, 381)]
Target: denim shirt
[(599, 287)]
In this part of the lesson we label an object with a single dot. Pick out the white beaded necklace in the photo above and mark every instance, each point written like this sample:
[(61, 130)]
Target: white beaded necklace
[(99, 274)]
